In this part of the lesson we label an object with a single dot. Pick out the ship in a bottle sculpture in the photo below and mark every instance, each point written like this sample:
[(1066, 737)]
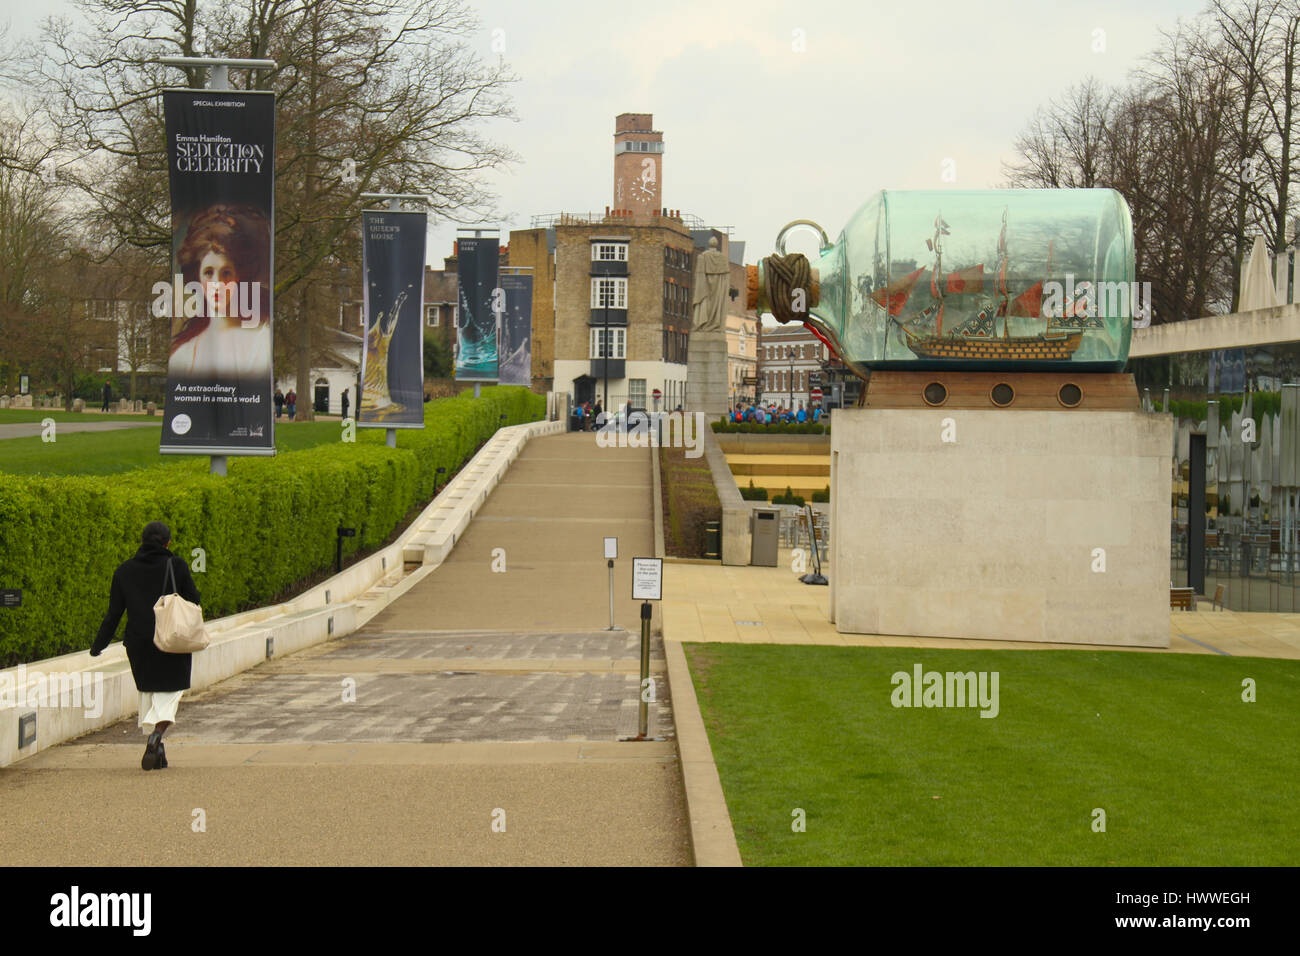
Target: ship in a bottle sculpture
[(985, 280)]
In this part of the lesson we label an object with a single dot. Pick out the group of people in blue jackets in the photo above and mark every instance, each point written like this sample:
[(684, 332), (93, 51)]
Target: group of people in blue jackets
[(775, 414)]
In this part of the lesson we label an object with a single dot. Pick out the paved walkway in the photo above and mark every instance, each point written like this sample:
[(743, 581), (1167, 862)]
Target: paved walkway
[(479, 698), (31, 429), (769, 605)]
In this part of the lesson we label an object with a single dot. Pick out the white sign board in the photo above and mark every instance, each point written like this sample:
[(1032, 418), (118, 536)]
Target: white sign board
[(647, 579), (611, 547)]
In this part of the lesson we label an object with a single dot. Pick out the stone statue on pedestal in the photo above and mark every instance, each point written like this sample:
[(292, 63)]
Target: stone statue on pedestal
[(709, 296), (706, 365)]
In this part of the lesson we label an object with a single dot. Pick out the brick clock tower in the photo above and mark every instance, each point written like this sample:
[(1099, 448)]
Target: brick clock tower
[(638, 164)]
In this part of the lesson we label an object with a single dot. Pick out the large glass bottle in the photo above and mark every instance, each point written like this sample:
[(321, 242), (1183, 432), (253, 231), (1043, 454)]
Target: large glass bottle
[(1021, 279)]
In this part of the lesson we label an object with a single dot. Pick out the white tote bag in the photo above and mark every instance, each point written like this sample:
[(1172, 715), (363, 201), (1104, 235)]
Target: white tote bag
[(178, 623)]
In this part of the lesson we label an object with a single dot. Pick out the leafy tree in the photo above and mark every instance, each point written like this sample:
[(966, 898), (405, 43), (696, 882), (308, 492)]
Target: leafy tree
[(437, 358)]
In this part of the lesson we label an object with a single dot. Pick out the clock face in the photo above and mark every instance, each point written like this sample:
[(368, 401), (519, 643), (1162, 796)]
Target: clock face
[(643, 190)]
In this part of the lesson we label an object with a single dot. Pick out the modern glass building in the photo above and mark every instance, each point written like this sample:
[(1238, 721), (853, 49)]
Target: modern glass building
[(1224, 378)]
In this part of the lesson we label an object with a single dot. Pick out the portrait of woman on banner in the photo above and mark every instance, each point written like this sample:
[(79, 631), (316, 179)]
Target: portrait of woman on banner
[(226, 332)]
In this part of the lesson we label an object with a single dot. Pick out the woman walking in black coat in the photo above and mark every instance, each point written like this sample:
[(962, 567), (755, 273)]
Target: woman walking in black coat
[(160, 677)]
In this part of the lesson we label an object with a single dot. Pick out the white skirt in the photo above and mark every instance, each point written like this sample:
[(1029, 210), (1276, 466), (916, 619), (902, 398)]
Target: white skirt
[(158, 706)]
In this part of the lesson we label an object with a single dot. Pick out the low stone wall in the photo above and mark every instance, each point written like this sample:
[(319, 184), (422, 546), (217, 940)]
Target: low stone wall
[(330, 610), (736, 532), (740, 443)]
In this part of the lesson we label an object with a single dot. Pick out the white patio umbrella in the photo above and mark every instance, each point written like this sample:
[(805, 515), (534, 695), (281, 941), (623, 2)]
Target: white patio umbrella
[(1258, 289)]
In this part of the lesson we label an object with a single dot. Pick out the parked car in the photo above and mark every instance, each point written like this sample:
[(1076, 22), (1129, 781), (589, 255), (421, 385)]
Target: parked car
[(634, 420)]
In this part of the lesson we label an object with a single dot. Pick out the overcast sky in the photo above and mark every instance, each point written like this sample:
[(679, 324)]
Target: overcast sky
[(757, 132)]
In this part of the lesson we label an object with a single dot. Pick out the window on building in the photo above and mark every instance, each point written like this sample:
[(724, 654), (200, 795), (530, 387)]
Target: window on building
[(431, 316), (636, 392), (616, 341), (609, 252), (609, 293)]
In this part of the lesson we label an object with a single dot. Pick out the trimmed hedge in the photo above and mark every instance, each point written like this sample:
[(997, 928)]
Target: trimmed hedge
[(1262, 403), (268, 524), (824, 495), (793, 428), (789, 498), (753, 494)]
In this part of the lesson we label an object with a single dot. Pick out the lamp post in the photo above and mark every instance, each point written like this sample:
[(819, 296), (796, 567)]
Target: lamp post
[(731, 376), (791, 381), (605, 350)]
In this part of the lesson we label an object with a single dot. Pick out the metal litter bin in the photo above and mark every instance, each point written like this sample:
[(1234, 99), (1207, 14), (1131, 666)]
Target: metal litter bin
[(713, 539), (765, 528)]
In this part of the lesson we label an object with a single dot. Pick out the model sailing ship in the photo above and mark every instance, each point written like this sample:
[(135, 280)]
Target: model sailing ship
[(976, 339)]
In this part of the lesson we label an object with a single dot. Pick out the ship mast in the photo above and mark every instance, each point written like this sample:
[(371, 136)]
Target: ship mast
[(940, 229), (1002, 277)]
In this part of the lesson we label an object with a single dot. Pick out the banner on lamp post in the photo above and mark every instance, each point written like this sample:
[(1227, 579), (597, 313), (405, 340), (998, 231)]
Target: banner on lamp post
[(392, 360), (516, 348), (481, 301), (221, 165)]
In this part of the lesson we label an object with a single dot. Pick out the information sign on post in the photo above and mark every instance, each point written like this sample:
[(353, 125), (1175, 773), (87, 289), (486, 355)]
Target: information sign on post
[(647, 579), (611, 552), (647, 586)]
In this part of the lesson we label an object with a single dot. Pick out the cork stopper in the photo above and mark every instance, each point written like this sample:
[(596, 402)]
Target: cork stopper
[(758, 295)]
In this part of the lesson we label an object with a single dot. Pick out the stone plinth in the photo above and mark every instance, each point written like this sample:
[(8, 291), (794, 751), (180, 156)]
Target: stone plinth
[(1030, 525), (78, 404), (707, 388)]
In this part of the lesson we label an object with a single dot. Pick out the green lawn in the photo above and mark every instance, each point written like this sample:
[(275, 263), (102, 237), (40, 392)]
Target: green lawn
[(1187, 773), (109, 453)]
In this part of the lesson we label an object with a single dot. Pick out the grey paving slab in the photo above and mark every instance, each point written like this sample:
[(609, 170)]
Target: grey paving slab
[(30, 429), (447, 707), (520, 647)]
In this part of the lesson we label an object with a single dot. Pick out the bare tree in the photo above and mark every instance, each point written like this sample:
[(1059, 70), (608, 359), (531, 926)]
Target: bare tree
[(1248, 54), (33, 233), (373, 95), (1172, 141), (1064, 145)]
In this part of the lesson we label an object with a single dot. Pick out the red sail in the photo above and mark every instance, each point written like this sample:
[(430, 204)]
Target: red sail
[(895, 295), (1029, 304), (966, 280)]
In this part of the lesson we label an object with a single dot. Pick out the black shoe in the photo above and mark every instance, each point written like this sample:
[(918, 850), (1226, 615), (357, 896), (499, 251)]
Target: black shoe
[(150, 759), (162, 756)]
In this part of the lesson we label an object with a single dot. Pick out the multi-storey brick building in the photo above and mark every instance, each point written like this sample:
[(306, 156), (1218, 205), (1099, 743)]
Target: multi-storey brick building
[(612, 290), (787, 356), (622, 307)]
